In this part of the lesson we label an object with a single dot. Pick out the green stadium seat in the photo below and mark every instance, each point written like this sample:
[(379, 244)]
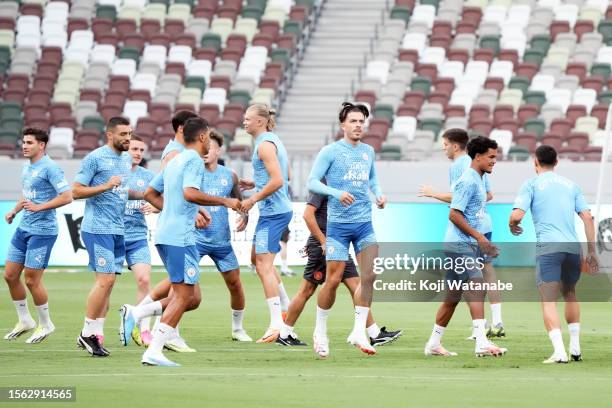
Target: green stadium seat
[(94, 122), (536, 126), (601, 69), (106, 11), (605, 28), (293, 27), (490, 41), (390, 152), (422, 84), (605, 97), (535, 56), (241, 97), (518, 153), (535, 97), (434, 125), (384, 111), (253, 12), (540, 42), (281, 55), (521, 83), (10, 110), (196, 82), (401, 13), (211, 40), (130, 53)]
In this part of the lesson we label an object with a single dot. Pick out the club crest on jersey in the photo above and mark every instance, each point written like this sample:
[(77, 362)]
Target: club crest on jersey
[(101, 262), (331, 250), (224, 182), (140, 183), (318, 275), (365, 157), (35, 173), (191, 272)]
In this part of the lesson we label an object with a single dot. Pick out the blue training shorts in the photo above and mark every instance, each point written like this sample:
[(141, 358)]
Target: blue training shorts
[(32, 251), (223, 256), (268, 232), (137, 252), (106, 252), (558, 267), (180, 262), (341, 235), (466, 266)]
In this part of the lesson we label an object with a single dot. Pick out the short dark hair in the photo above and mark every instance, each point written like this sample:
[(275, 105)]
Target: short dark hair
[(546, 155), (480, 145), (180, 118), (458, 136), (116, 121), (137, 138), (39, 134), (348, 107), (217, 136), (192, 128)]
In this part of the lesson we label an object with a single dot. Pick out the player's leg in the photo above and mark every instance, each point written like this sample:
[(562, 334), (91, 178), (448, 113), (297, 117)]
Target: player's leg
[(33, 280), (285, 270), (548, 275), (15, 261), (287, 336), (475, 300), (231, 276), (497, 325), (378, 336), (364, 241), (569, 279), (282, 293)]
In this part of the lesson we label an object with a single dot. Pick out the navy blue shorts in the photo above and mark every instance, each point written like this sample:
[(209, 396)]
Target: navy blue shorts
[(268, 232), (558, 267), (180, 262), (341, 235), (106, 252), (32, 251), (466, 266), (137, 252), (224, 257)]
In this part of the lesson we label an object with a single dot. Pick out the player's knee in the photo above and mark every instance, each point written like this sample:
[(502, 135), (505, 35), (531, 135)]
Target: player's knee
[(306, 292), (143, 282), (10, 277), (234, 286), (32, 281), (106, 282)]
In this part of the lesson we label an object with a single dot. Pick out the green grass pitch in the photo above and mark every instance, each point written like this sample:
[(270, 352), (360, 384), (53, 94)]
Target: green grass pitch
[(228, 374)]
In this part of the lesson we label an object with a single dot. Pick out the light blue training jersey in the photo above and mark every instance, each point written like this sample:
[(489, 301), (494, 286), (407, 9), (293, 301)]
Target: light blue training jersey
[(553, 201), (172, 146), (456, 170), (346, 168), (278, 202), (218, 183), (176, 222), (135, 223), (469, 197), (104, 212), (41, 182)]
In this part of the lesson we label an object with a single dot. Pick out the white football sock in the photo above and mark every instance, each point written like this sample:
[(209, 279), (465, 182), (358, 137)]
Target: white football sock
[(145, 324), (284, 299), (23, 313), (43, 315), (237, 316), (284, 265), (373, 331), (321, 324), (286, 331), (161, 335), (574, 331), (276, 317), (478, 329), (557, 340), (436, 336), (361, 316), (99, 326), (89, 327), (496, 315), (147, 310), (145, 300)]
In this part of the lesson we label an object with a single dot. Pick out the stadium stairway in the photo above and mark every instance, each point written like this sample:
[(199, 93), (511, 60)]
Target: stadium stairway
[(341, 40)]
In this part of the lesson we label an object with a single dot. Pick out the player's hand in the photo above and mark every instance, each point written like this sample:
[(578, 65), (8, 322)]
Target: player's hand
[(592, 263), (30, 206), (488, 247), (247, 204), (516, 229), (425, 191), (234, 204), (381, 202), (113, 182), (200, 221), (347, 199), (9, 217), (246, 184), (241, 222), (147, 209)]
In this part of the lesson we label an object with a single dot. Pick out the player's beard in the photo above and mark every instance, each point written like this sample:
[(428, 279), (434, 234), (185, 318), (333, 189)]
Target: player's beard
[(121, 147)]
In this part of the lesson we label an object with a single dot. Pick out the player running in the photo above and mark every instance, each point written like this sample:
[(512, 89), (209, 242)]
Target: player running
[(137, 252), (348, 167), (454, 143), (103, 181), (271, 173), (315, 216), (44, 189), (553, 201), (465, 245)]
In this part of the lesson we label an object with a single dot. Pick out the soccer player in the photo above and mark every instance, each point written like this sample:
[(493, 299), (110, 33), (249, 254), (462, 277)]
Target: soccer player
[(180, 183), (44, 189), (284, 269), (465, 245), (315, 216), (177, 145), (454, 143), (553, 201), (348, 167), (137, 252), (103, 181), (271, 173)]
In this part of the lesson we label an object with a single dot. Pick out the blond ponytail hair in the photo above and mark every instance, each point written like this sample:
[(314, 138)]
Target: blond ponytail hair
[(265, 112)]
